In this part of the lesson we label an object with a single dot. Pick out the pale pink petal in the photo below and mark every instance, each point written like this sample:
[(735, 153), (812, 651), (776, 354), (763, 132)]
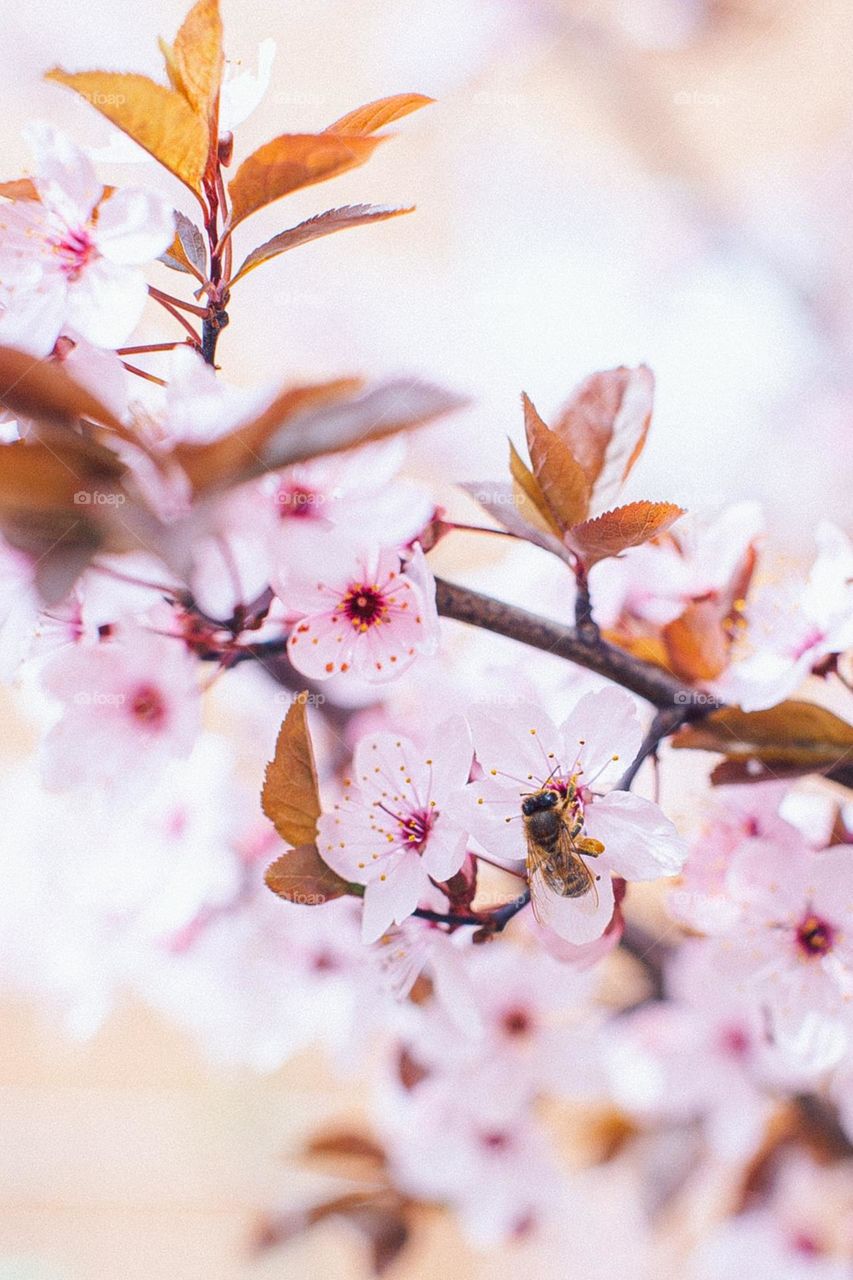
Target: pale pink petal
[(444, 851), (106, 302), (604, 733), (578, 920), (392, 900), (770, 876), (319, 646), (640, 843), (520, 745), (134, 226), (491, 812)]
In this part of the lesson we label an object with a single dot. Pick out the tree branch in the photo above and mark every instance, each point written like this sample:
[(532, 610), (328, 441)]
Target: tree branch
[(643, 678)]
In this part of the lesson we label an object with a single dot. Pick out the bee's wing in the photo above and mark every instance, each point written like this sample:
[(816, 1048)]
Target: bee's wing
[(536, 861), (544, 880)]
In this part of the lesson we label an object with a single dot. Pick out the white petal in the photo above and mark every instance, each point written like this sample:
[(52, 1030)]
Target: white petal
[(641, 843), (134, 226), (105, 304), (392, 900), (65, 176)]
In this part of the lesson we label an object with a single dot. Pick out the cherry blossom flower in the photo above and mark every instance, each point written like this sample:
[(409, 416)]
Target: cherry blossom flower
[(790, 947), (523, 752), (791, 629), (72, 257), (391, 831), (128, 706), (357, 611)]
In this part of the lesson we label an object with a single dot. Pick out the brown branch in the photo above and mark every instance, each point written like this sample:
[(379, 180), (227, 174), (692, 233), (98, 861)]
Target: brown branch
[(654, 684)]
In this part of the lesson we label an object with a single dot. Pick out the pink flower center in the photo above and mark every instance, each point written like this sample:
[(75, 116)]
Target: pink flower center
[(415, 829), (517, 1023), (734, 1042), (76, 250), (363, 606), (495, 1140), (148, 706), (815, 937), (805, 1244), (298, 502)]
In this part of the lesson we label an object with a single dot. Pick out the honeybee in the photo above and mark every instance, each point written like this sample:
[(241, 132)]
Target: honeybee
[(555, 843)]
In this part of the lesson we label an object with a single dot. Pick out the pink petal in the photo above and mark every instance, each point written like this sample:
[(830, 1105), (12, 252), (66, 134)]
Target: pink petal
[(392, 900), (520, 745), (321, 645), (604, 724), (640, 842), (134, 227), (106, 302), (65, 176)]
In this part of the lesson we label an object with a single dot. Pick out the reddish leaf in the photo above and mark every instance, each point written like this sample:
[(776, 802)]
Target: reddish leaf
[(559, 476), (793, 736), (301, 876), (530, 500), (343, 1144), (42, 389), (291, 794), (291, 162), (187, 251), (20, 189), (615, 531), (323, 224), (605, 425), (375, 115)]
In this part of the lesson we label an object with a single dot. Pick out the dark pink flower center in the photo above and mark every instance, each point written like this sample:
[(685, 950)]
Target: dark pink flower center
[(363, 606), (815, 937), (734, 1042), (517, 1022), (76, 250), (148, 706), (415, 828), (496, 1140), (805, 1244), (298, 502)]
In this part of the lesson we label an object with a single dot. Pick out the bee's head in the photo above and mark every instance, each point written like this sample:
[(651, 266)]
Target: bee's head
[(539, 802)]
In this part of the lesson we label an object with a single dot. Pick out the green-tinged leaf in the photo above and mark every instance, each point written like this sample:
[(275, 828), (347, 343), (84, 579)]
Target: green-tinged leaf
[(560, 477), (187, 251), (375, 115), (301, 876), (791, 737), (291, 794), (291, 162), (322, 224), (615, 531), (160, 120)]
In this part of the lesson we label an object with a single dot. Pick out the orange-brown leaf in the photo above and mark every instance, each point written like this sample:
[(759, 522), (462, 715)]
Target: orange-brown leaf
[(194, 62), (291, 794), (322, 224), (290, 162), (560, 477), (19, 189), (605, 426), (186, 252), (792, 735), (375, 115), (301, 876), (529, 498), (697, 643), (42, 389), (615, 531), (159, 119)]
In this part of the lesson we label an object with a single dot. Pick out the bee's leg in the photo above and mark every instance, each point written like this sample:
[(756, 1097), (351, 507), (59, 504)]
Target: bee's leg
[(589, 847)]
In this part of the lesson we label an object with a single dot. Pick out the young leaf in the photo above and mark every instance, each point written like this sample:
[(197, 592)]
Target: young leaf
[(375, 115), (791, 736), (194, 62), (42, 389), (502, 503), (290, 162), (301, 876), (615, 531), (697, 643), (187, 251), (291, 794), (530, 500), (159, 119), (19, 189), (605, 426), (560, 477), (322, 224)]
